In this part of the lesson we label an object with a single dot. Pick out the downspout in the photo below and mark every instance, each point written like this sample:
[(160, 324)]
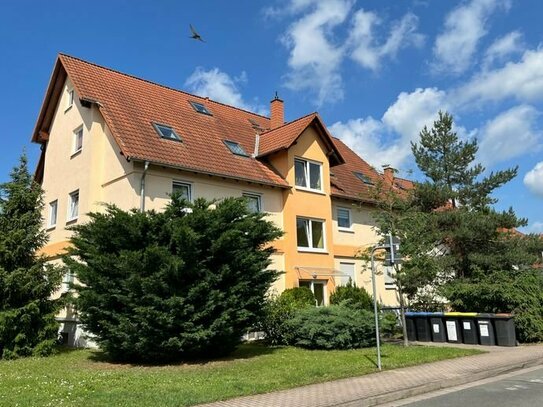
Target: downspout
[(142, 187)]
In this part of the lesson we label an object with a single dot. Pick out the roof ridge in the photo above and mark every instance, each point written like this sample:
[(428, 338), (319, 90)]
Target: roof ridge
[(288, 123), (158, 84)]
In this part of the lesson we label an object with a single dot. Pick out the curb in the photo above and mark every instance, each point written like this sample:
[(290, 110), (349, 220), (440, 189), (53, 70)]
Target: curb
[(437, 385)]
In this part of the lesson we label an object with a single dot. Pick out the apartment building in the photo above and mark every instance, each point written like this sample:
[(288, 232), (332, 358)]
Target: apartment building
[(110, 137)]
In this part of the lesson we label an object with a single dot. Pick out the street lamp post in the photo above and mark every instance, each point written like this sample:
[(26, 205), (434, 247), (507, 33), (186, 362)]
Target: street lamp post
[(393, 255)]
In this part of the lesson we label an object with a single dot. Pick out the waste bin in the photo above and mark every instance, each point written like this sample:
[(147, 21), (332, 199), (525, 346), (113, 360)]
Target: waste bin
[(410, 327), (505, 330), (422, 325), (438, 329), (466, 321), (453, 329), (485, 329)]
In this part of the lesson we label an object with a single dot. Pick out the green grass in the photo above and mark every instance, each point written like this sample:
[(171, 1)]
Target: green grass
[(82, 377)]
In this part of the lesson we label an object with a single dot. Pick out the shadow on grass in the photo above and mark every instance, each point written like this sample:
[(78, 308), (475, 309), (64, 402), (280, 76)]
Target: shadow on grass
[(247, 350)]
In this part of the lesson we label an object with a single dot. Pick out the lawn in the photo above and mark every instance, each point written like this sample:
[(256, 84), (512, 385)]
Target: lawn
[(82, 377)]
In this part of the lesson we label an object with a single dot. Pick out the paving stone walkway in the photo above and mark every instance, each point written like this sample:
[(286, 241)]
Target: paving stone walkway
[(387, 386)]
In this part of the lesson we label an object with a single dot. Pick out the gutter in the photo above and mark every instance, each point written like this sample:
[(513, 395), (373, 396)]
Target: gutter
[(142, 187)]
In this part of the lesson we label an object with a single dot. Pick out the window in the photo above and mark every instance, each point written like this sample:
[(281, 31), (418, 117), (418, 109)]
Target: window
[(347, 273), (253, 202), (235, 148), (318, 288), (67, 279), (73, 207), (344, 219), (310, 234), (308, 174), (389, 278), (70, 99), (53, 206), (78, 140), (200, 108), (363, 177), (166, 132), (183, 189)]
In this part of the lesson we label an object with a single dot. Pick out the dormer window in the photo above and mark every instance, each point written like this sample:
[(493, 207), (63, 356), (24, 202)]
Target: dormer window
[(166, 132), (364, 178), (235, 148), (200, 108)]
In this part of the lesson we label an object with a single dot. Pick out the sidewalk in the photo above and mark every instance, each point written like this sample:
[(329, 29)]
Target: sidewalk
[(387, 386)]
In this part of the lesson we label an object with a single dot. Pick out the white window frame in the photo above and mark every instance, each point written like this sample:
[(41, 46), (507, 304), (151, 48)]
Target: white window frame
[(324, 284), (310, 235), (343, 228), (67, 279), (254, 195), (184, 184), (70, 99), (307, 175), (71, 200), (353, 277), (53, 205), (77, 149)]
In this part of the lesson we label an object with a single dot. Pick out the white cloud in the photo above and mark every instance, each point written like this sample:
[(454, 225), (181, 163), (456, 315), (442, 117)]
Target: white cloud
[(536, 227), (522, 80), (412, 111), (534, 179), (465, 25), (504, 46), (401, 124), (315, 59), (365, 137), (219, 86), (365, 49), (509, 135)]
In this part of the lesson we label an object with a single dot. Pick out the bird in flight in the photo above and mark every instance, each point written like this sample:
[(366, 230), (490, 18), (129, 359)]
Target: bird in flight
[(195, 35)]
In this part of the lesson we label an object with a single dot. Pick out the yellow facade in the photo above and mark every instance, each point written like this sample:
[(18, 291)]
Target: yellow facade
[(102, 175)]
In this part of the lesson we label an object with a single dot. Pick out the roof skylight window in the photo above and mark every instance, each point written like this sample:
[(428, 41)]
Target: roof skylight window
[(363, 177), (200, 108), (235, 148), (166, 132)]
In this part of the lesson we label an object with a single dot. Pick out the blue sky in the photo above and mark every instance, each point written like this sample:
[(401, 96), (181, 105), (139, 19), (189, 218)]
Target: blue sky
[(377, 71)]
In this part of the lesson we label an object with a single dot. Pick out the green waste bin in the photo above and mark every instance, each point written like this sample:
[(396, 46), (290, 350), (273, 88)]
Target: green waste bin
[(410, 327), (438, 329), (452, 327), (485, 329), (504, 325)]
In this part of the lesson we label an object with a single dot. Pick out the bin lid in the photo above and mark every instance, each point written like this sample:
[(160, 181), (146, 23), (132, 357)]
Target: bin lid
[(417, 314), (503, 315), (485, 315), (460, 314)]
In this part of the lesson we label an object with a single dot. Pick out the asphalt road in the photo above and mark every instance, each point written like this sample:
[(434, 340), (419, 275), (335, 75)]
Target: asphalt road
[(519, 389)]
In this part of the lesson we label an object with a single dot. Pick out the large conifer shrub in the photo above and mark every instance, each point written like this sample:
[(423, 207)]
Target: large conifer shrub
[(184, 283)]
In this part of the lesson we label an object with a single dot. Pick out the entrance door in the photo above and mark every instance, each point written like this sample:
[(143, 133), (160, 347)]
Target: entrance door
[(318, 288)]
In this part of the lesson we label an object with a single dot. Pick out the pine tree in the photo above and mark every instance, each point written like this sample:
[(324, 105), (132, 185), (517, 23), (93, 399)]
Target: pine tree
[(449, 163), (27, 312)]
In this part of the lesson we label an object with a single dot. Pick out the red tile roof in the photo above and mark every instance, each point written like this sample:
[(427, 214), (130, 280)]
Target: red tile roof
[(130, 105)]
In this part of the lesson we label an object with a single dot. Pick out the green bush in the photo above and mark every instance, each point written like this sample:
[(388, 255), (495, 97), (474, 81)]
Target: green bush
[(280, 309), (184, 283), (388, 325), (332, 327), (353, 296)]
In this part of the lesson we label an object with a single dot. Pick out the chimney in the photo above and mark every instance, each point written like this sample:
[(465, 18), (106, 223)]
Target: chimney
[(277, 112), (388, 174)]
